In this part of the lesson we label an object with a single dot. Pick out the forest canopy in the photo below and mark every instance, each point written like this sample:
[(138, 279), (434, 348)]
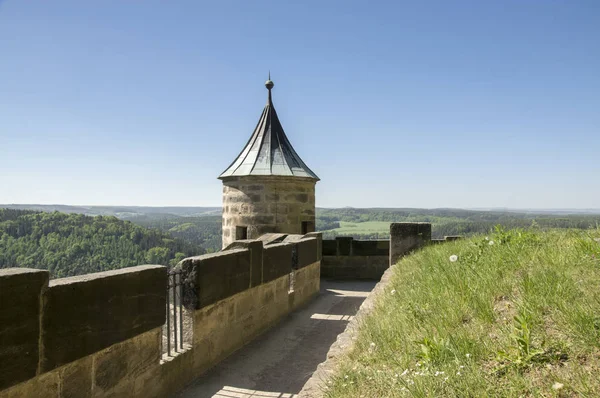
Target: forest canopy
[(75, 244)]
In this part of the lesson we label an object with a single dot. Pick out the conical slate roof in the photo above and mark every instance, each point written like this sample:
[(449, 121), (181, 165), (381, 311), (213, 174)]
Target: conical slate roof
[(268, 152)]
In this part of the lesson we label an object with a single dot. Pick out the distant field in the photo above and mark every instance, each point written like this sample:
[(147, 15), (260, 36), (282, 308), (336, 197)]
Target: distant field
[(366, 227)]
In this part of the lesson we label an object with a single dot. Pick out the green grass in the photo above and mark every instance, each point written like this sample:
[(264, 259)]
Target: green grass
[(519, 317), (366, 227)]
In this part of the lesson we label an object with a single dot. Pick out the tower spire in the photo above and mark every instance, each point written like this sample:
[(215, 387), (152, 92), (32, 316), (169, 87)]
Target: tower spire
[(268, 152)]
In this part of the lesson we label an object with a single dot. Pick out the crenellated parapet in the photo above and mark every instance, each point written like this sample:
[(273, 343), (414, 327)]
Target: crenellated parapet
[(347, 258), (102, 335)]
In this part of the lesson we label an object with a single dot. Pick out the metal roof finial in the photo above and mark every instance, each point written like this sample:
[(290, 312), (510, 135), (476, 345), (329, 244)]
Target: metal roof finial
[(269, 83)]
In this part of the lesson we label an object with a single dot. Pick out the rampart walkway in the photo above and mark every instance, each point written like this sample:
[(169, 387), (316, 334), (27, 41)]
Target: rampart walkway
[(279, 362)]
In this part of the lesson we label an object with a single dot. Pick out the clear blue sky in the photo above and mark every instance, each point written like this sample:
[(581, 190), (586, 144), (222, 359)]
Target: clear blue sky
[(393, 104)]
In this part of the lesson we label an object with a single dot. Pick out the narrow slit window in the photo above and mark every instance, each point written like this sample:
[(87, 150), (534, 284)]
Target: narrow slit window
[(241, 233), (307, 227)]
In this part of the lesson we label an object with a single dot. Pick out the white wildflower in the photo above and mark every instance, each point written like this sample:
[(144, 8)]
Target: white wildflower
[(393, 292), (491, 243), (557, 386), (453, 258), (468, 355), (405, 372), (458, 373), (446, 378), (486, 238), (345, 377), (372, 345)]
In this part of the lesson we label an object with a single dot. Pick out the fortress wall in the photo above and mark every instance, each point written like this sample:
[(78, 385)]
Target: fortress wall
[(20, 296), (346, 258), (290, 276), (84, 336), (84, 314), (406, 237), (267, 204), (100, 335)]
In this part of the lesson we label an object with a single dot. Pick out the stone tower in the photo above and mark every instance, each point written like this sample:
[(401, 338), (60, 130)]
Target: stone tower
[(267, 188)]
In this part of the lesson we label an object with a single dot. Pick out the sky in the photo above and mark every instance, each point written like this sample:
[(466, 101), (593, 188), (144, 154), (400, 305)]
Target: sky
[(393, 104)]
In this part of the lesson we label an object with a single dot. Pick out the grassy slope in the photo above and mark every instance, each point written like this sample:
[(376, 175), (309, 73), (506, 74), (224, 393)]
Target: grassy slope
[(509, 319)]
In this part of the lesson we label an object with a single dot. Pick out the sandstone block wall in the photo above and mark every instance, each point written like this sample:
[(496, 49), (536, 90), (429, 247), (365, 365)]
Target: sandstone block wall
[(100, 335), (267, 204), (85, 314), (48, 331), (20, 296), (406, 237), (346, 258)]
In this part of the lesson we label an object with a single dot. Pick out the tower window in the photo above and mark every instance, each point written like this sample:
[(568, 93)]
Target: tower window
[(241, 233), (307, 227)]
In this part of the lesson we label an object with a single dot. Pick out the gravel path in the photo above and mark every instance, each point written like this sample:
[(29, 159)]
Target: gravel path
[(279, 362)]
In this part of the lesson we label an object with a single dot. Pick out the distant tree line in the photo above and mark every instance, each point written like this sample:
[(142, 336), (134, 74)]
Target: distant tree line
[(447, 222), (202, 231), (75, 244)]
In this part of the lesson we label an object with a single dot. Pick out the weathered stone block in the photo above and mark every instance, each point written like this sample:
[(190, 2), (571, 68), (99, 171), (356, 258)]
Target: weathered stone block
[(85, 314), (46, 385), (213, 277), (364, 248), (319, 237), (256, 258), (302, 198), (370, 248), (277, 261), (344, 245), (253, 220), (116, 366), (76, 379), (308, 252), (282, 201), (20, 290), (354, 267), (406, 237), (329, 247), (271, 238), (255, 197)]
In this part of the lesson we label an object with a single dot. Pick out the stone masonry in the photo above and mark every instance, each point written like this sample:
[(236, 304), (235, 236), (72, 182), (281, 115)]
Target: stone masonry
[(265, 204)]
